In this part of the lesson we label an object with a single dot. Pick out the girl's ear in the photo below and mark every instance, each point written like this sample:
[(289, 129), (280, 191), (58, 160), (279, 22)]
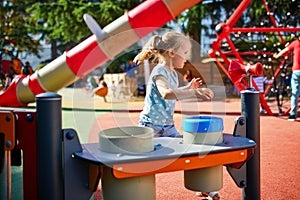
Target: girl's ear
[(171, 53)]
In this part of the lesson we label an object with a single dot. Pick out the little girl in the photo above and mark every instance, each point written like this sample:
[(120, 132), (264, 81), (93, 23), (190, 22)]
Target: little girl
[(101, 90), (171, 51)]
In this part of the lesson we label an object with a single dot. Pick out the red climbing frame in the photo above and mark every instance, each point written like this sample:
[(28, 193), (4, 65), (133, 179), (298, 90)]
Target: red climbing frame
[(224, 29)]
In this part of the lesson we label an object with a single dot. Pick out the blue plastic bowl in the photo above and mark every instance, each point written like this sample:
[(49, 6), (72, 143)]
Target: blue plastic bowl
[(203, 124)]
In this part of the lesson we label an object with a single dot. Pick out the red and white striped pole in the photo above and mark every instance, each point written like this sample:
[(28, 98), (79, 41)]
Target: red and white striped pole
[(92, 52)]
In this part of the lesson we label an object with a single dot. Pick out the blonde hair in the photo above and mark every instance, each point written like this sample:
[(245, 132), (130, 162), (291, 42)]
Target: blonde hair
[(157, 46)]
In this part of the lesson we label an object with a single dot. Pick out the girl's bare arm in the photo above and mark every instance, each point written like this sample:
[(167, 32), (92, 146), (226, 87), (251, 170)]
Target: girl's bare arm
[(185, 92)]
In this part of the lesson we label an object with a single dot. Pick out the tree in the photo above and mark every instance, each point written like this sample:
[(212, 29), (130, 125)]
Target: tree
[(62, 21), (13, 26)]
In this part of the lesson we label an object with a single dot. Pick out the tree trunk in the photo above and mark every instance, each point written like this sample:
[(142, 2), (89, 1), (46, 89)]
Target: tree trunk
[(54, 54), (196, 47)]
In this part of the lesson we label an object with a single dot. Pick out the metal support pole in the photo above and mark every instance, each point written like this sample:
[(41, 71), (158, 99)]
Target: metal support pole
[(9, 179), (3, 181), (250, 110), (5, 176), (49, 147)]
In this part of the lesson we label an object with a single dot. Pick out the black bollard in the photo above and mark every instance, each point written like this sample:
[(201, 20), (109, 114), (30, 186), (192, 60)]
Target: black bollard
[(49, 147), (250, 110)]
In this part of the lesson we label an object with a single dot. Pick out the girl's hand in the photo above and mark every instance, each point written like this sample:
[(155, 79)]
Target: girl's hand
[(195, 83), (204, 93)]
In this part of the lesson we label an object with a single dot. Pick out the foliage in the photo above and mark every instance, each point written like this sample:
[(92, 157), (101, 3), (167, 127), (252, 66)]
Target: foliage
[(14, 27), (63, 21)]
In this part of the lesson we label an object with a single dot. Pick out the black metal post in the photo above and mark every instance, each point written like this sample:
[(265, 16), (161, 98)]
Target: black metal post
[(250, 110), (49, 146)]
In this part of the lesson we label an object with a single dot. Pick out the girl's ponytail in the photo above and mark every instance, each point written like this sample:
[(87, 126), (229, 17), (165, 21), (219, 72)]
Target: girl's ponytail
[(150, 50)]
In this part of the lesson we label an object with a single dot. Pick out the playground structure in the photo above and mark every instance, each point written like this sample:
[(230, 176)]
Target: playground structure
[(223, 30), (47, 139)]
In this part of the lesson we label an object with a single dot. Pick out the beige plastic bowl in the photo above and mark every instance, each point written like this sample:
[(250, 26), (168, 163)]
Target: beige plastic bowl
[(127, 140)]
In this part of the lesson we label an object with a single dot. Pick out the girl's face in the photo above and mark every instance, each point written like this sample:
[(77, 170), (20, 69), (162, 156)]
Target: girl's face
[(181, 55)]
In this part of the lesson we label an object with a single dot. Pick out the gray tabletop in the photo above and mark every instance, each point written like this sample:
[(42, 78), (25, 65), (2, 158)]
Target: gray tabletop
[(165, 148)]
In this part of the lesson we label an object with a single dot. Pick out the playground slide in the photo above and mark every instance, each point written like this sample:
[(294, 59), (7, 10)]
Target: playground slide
[(94, 51)]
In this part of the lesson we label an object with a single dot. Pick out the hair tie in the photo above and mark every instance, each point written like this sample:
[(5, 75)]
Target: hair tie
[(160, 42)]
